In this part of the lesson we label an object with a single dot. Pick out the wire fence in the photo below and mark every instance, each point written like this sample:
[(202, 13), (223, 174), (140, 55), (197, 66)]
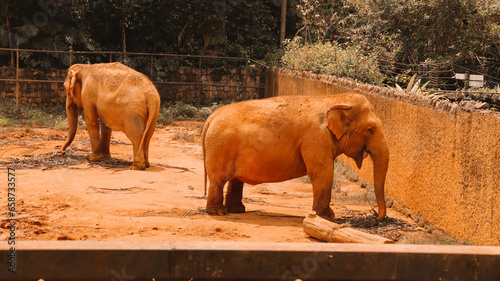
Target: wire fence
[(204, 77), (439, 77)]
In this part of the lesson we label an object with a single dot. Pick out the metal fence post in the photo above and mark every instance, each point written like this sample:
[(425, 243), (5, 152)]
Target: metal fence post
[(17, 75), (200, 88), (467, 80), (151, 67)]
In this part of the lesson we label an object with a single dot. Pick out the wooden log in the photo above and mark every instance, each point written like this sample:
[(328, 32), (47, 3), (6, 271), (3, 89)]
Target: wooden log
[(328, 231)]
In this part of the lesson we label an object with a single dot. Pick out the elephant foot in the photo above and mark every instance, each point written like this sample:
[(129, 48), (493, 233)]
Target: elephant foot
[(218, 210), (97, 157), (235, 207), (326, 214), (137, 166)]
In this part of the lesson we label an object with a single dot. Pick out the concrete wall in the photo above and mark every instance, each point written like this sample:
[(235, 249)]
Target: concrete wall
[(445, 157)]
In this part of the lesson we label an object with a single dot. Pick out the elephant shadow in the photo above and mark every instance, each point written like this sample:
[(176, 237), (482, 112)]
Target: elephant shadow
[(263, 218)]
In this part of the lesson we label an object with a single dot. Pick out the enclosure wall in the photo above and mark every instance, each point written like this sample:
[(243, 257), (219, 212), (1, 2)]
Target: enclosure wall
[(189, 85), (445, 157)]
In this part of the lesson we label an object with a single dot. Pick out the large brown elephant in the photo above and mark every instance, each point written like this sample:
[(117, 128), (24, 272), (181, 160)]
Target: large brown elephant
[(113, 97), (282, 138)]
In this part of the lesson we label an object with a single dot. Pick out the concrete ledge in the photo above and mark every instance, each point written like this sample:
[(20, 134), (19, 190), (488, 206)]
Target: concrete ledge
[(69, 260)]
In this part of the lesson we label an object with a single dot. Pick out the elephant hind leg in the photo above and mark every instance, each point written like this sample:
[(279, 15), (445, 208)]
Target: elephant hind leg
[(215, 198), (234, 196), (105, 140), (134, 129), (147, 140)]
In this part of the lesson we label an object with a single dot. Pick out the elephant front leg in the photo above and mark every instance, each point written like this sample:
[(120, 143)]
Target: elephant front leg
[(322, 193), (92, 122), (215, 198), (320, 171), (234, 197)]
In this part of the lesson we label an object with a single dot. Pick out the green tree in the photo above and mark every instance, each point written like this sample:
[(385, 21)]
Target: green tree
[(415, 31)]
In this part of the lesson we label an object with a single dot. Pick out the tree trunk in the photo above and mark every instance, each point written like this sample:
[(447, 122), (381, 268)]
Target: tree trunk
[(124, 37), (283, 22), (9, 32)]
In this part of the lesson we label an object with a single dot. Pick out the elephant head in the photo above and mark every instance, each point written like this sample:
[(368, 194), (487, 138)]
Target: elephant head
[(359, 134), (73, 87)]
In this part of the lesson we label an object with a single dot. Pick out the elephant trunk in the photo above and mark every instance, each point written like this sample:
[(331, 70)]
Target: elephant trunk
[(379, 152), (72, 112)]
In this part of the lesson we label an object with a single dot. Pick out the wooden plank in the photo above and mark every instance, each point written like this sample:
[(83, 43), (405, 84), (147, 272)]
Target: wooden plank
[(328, 231)]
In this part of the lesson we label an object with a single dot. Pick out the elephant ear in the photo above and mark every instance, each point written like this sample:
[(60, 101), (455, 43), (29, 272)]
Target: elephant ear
[(337, 120), (72, 79)]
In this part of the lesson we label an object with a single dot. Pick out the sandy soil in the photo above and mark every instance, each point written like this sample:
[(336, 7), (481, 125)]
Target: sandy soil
[(106, 201)]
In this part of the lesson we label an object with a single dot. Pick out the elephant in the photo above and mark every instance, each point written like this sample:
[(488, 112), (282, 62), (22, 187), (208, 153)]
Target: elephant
[(282, 138), (113, 97)]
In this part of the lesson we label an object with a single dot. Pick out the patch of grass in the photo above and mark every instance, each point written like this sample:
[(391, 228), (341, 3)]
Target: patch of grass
[(350, 174), (28, 115), (441, 241), (305, 179), (181, 111), (187, 137), (8, 122), (366, 197), (336, 180)]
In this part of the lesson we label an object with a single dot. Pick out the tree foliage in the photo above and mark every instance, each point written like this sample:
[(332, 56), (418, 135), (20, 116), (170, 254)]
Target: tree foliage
[(332, 59), (213, 27), (459, 31), (465, 32)]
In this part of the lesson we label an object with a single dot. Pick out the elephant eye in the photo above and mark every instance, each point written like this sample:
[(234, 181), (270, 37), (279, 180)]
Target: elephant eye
[(369, 131)]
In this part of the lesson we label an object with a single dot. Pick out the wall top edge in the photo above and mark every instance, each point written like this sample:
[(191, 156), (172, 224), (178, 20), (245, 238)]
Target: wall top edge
[(415, 99)]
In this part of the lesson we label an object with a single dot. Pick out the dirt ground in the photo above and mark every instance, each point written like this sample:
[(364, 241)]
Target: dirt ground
[(70, 198)]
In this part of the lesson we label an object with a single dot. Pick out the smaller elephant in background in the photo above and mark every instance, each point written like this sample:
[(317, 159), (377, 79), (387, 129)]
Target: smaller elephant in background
[(113, 97)]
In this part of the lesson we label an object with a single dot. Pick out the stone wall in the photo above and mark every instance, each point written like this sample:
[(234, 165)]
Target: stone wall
[(34, 93), (217, 85), (445, 157)]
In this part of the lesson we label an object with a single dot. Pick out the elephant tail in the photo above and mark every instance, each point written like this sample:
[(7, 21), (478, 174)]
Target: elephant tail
[(153, 110), (205, 129)]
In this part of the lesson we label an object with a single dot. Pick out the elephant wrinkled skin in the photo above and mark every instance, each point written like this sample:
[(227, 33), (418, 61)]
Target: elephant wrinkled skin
[(282, 138), (113, 97)]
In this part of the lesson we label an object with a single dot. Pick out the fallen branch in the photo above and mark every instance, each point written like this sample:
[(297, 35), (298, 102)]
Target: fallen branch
[(174, 167), (128, 190), (328, 231)]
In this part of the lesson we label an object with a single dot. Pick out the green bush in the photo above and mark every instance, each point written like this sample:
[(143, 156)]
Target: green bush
[(181, 111), (331, 59)]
